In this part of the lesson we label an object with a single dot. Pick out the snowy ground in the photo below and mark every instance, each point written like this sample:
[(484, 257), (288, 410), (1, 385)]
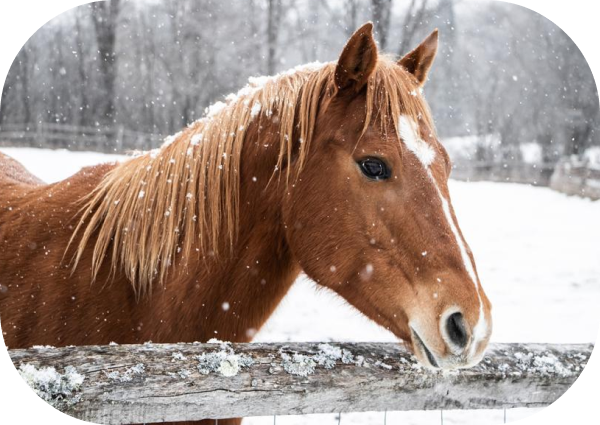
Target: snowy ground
[(537, 254)]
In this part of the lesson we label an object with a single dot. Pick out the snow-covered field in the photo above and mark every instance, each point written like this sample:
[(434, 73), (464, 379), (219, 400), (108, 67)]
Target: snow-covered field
[(537, 253)]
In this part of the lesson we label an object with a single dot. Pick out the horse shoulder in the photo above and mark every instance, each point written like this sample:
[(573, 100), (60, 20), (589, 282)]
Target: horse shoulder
[(44, 211)]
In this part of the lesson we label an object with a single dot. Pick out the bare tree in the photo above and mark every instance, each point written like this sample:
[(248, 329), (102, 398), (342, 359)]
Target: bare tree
[(16, 91), (415, 14), (345, 20), (24, 76), (351, 16), (82, 70), (382, 12), (500, 70), (105, 15), (274, 11)]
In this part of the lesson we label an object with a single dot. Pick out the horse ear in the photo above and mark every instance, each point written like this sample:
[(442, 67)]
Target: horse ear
[(357, 61), (418, 61)]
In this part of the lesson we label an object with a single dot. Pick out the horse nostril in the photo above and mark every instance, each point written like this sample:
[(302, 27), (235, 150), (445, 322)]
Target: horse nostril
[(456, 329)]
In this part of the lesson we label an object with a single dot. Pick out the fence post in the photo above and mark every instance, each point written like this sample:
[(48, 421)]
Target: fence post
[(120, 134), (39, 135)]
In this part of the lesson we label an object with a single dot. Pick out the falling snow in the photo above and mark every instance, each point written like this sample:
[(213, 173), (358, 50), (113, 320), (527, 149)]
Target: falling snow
[(542, 78)]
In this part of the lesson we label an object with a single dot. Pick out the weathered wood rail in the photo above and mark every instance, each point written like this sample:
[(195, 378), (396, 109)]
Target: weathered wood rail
[(176, 382)]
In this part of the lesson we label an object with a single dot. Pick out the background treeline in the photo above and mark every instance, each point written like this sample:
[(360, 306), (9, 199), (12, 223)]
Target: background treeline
[(505, 76)]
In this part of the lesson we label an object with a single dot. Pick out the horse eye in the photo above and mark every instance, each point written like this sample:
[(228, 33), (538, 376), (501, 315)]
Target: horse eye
[(374, 168)]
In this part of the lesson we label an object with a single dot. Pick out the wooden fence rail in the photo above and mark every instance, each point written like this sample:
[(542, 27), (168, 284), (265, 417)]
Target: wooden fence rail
[(116, 139), (121, 384)]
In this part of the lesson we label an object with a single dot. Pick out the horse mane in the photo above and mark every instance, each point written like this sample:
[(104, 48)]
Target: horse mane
[(178, 201)]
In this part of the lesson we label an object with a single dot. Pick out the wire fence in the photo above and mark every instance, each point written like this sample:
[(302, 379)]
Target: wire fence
[(338, 419)]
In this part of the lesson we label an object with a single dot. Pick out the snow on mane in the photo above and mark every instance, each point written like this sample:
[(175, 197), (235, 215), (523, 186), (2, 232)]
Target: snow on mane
[(205, 158), (253, 85)]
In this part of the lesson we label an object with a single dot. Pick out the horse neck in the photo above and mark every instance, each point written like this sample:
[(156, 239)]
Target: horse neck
[(237, 292)]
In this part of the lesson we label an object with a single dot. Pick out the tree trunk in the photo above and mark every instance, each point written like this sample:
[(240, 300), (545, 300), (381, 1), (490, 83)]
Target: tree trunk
[(412, 19), (382, 11), (273, 18), (84, 119), (24, 69), (105, 15), (351, 15)]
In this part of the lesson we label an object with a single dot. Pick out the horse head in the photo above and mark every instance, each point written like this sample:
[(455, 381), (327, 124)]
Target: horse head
[(369, 214)]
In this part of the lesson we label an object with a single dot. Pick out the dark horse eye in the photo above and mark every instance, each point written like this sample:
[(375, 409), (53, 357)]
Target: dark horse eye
[(374, 168)]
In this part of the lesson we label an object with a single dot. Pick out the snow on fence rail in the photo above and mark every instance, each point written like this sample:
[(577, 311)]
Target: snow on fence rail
[(514, 172), (121, 384), (64, 136), (575, 177)]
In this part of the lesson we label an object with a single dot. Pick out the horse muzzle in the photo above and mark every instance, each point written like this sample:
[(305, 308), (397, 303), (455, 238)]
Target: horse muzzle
[(459, 347)]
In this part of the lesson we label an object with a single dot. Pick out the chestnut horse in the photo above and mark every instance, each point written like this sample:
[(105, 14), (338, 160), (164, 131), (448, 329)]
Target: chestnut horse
[(331, 169)]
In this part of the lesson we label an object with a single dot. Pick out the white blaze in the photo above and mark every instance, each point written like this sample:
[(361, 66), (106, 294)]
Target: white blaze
[(424, 152), (480, 328), (410, 136)]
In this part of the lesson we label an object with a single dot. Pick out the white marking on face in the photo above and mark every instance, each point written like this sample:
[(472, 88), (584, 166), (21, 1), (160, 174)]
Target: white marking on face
[(480, 329), (461, 246), (424, 152), (410, 136)]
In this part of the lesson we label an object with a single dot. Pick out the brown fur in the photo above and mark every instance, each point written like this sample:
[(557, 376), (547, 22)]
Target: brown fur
[(15, 173), (244, 234), (418, 61)]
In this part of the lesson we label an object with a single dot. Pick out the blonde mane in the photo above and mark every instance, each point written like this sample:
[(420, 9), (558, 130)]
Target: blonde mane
[(178, 201)]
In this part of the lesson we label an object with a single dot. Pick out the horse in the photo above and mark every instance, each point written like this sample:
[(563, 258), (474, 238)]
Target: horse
[(330, 169)]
